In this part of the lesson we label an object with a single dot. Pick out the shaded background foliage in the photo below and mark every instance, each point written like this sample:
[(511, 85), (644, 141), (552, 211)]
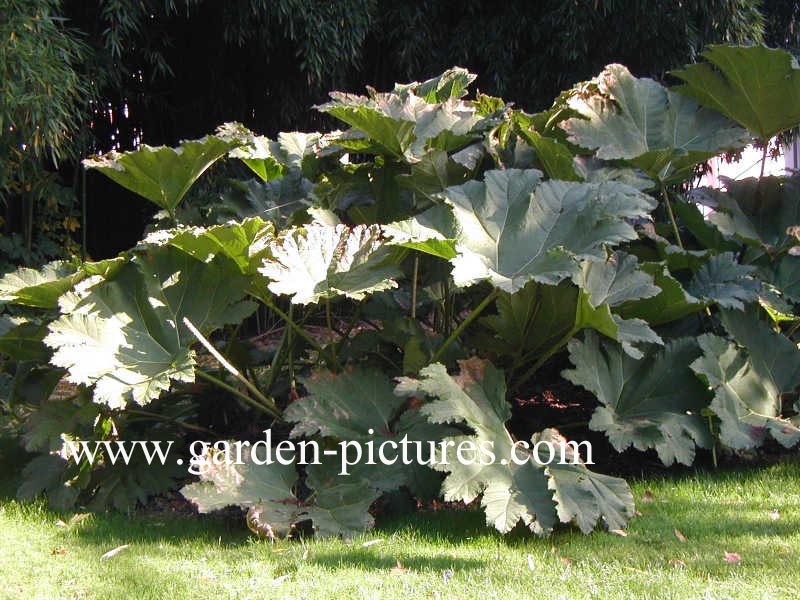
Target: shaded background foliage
[(156, 71)]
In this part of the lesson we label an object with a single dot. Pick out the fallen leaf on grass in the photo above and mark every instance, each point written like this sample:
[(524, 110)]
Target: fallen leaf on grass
[(531, 564), (565, 560), (114, 552), (279, 580), (620, 532), (774, 515), (680, 536), (648, 496), (372, 543), (675, 562), (399, 569), (73, 520), (732, 558), (59, 551)]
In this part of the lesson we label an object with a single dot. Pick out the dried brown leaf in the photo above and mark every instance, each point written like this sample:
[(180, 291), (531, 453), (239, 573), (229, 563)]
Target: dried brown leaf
[(732, 558)]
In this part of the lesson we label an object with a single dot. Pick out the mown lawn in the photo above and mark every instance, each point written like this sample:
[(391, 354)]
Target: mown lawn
[(753, 514)]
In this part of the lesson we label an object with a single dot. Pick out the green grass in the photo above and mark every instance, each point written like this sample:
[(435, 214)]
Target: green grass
[(448, 554)]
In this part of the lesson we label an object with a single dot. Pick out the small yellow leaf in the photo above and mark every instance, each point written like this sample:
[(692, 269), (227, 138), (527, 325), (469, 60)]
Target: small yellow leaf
[(680, 536)]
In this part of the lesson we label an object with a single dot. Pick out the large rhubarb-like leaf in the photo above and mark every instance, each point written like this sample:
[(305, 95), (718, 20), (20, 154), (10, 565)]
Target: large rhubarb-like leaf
[(724, 281), (323, 261), (126, 336), (337, 505), (638, 120), (756, 86), (340, 504), (162, 175), (246, 243), (671, 304), (405, 124), (223, 483), (510, 492), (433, 232), (748, 378), (453, 83), (360, 406), (41, 288), (582, 495), (759, 211), (539, 318), (654, 402), (514, 228)]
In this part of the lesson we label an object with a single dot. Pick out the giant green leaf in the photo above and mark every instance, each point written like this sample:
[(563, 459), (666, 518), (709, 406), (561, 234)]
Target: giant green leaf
[(125, 335), (554, 157), (406, 125), (748, 378), (655, 402), (540, 318), (785, 276), (434, 173), (655, 129), (39, 288), (270, 159), (249, 484), (453, 83), (759, 211), (323, 261), (246, 242), (724, 281), (360, 406), (432, 232), (514, 228), (582, 495), (510, 492), (22, 340), (340, 504), (756, 86), (671, 304), (337, 505), (162, 175)]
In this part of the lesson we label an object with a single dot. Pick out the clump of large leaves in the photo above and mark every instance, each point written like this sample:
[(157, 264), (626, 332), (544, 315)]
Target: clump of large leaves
[(336, 505), (534, 493), (125, 334), (655, 129), (654, 402), (756, 86), (514, 227), (319, 262), (748, 377), (360, 406), (759, 212), (411, 120)]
